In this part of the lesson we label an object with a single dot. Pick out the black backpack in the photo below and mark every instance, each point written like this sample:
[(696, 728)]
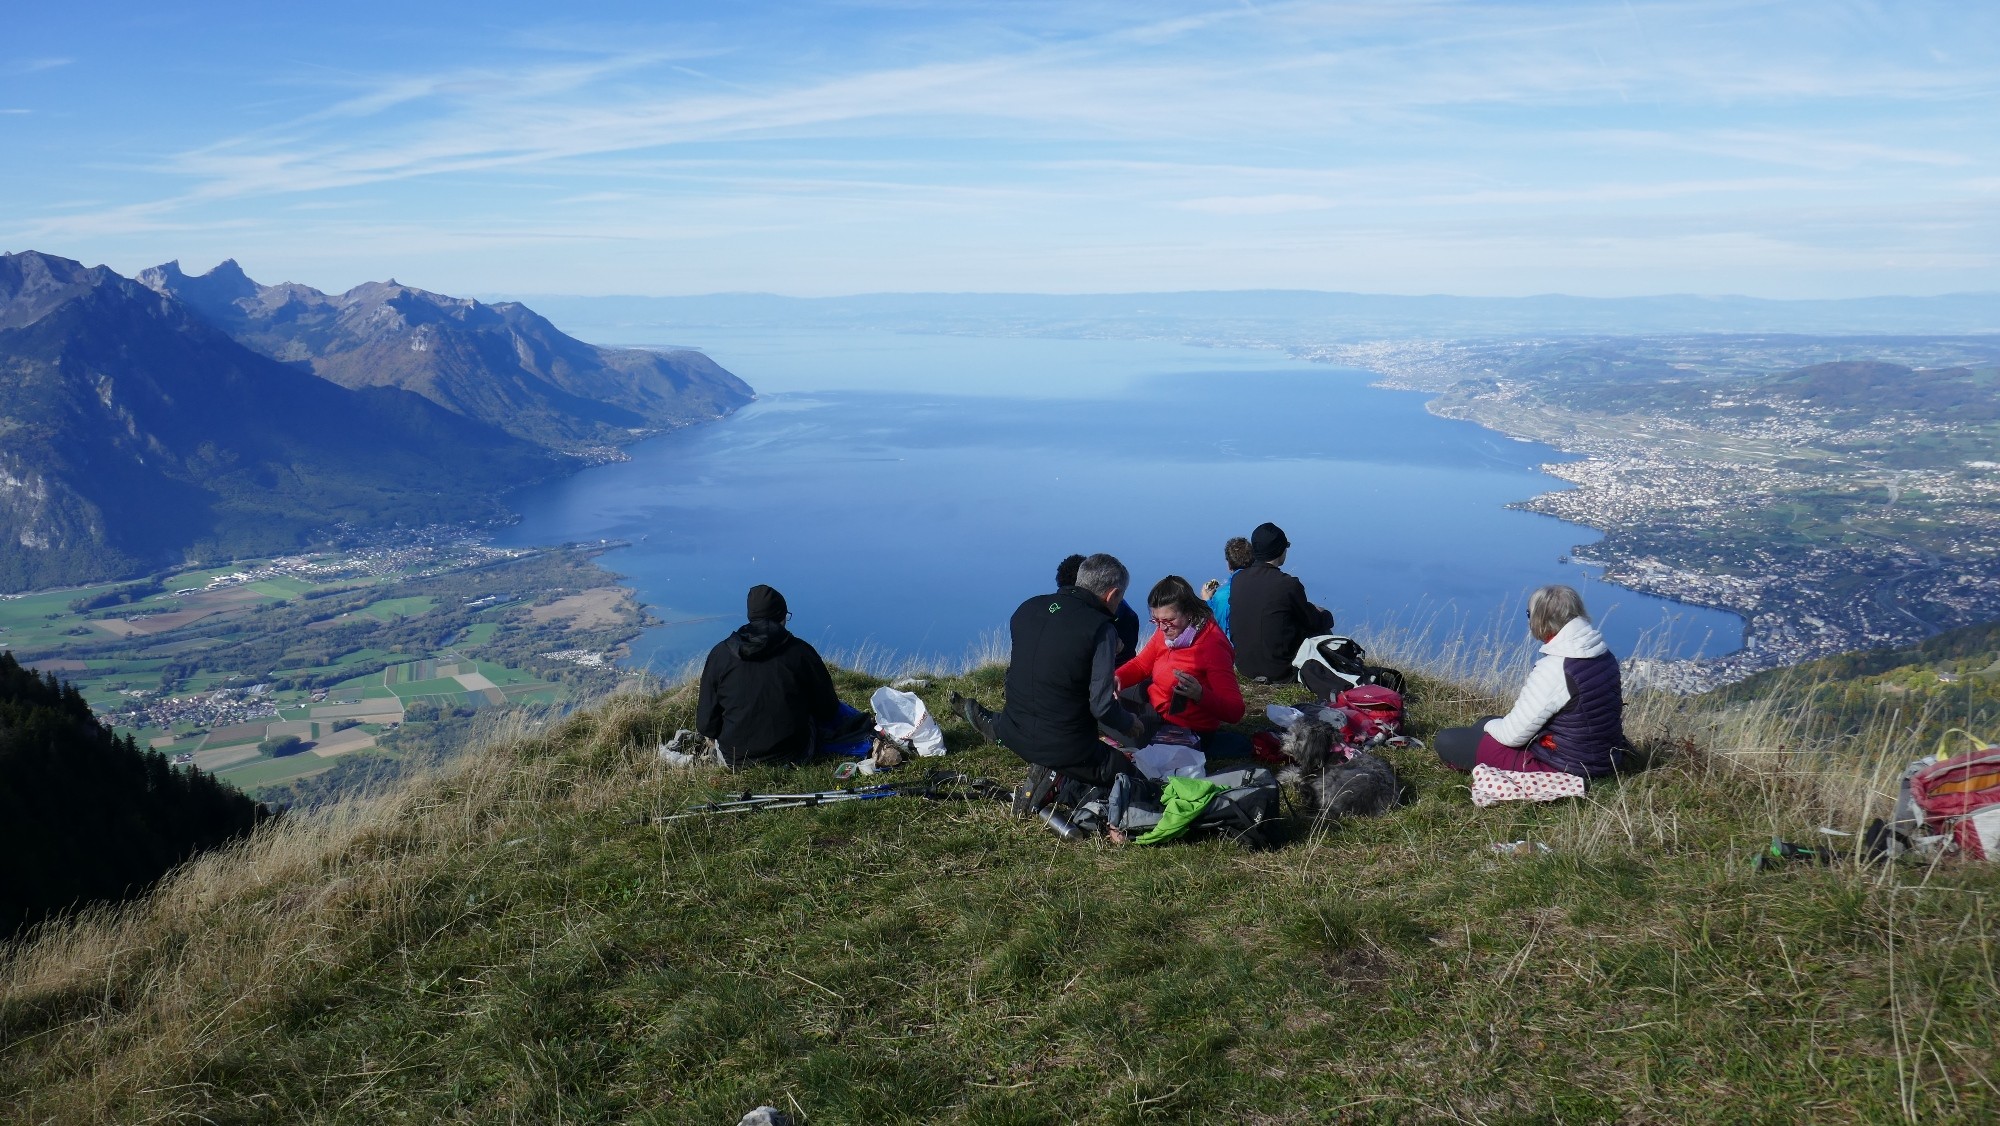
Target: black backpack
[(1246, 811), (1330, 665)]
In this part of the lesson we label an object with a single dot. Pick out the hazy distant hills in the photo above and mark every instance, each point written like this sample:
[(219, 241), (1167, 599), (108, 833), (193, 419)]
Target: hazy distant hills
[(1867, 388), (1268, 316), (501, 364), (133, 432)]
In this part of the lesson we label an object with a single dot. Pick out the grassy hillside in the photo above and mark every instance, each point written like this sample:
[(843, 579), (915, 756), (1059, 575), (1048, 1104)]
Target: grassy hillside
[(518, 943), (1949, 680)]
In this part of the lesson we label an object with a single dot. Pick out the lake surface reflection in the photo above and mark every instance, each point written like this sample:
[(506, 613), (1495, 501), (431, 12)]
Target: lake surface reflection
[(905, 492)]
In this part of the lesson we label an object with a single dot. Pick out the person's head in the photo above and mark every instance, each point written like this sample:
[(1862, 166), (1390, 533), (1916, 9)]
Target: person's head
[(1268, 543), (1553, 607), (1066, 571), (1175, 606), (1104, 576), (1236, 553), (767, 605)]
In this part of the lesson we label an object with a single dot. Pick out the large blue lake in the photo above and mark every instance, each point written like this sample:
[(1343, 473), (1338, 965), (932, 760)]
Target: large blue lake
[(905, 492)]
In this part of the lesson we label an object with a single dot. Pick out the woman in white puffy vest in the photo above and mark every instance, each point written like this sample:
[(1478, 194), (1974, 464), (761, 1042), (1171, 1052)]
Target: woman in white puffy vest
[(1570, 715)]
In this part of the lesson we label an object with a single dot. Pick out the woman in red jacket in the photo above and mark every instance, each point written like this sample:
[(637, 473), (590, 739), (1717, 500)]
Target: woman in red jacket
[(1187, 668)]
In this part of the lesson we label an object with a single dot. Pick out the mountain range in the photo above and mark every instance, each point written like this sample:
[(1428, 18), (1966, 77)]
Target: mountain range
[(137, 431), (501, 364)]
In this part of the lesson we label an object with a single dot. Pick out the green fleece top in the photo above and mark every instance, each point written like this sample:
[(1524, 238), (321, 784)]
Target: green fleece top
[(1182, 802)]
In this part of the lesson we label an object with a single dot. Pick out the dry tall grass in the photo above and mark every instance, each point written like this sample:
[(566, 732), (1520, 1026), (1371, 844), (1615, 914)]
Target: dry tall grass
[(122, 1010)]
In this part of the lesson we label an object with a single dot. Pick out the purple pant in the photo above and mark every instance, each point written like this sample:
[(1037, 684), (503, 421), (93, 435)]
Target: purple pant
[(1463, 748)]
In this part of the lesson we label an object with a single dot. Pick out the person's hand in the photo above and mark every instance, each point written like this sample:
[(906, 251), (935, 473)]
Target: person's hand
[(1209, 588), (1186, 685)]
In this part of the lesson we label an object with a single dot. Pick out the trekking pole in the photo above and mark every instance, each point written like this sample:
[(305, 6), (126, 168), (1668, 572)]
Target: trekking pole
[(938, 786), (750, 803), (754, 807)]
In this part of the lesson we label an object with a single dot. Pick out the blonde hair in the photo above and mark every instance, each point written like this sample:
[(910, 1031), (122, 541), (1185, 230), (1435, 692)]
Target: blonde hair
[(1553, 607)]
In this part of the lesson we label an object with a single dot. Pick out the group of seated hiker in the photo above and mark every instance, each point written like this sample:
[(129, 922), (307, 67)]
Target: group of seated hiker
[(1082, 691), (1269, 614)]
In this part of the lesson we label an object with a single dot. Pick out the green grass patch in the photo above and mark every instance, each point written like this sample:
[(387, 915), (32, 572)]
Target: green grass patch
[(284, 587), (346, 661), (390, 609), (439, 686), (502, 676), (523, 943), (269, 771)]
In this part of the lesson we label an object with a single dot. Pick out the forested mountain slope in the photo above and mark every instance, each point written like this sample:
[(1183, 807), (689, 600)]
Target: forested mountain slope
[(133, 434), (1946, 681), (86, 817)]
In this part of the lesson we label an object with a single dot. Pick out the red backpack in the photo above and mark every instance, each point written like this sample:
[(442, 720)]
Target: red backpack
[(1374, 712), (1960, 796)]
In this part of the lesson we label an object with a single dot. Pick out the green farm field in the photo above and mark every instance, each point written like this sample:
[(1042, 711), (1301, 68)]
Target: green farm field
[(269, 771), (391, 608), (175, 667)]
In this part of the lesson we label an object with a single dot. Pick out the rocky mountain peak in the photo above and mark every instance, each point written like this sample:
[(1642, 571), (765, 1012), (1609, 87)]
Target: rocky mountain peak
[(32, 284), (212, 293), (502, 365)]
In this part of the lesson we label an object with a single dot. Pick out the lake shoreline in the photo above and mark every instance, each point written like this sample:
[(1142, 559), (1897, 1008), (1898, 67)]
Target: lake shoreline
[(898, 486)]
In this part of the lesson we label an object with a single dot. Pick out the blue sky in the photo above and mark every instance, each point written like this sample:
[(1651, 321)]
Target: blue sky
[(1779, 149)]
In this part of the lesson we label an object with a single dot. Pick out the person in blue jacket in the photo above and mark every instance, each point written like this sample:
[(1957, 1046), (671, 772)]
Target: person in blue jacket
[(1236, 554)]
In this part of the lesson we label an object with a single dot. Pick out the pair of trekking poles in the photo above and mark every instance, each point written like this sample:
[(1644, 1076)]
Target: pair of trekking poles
[(939, 786)]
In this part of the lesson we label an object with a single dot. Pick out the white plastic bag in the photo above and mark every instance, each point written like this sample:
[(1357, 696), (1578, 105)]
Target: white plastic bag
[(1284, 717), (1164, 760), (901, 715)]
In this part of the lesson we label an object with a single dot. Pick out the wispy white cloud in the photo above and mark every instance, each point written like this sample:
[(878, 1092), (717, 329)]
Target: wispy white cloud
[(482, 119), (33, 66), (961, 135), (1812, 149), (1259, 204)]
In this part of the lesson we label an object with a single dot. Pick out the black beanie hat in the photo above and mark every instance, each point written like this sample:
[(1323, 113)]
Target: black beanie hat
[(1268, 542), (766, 604)]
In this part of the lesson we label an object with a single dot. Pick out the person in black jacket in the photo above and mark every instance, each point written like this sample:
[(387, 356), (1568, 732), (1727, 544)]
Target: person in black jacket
[(1269, 616), (1062, 685), (764, 693), (1126, 618)]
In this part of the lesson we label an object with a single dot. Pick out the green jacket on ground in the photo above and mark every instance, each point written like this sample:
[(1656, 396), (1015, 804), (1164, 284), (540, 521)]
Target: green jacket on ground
[(1183, 800)]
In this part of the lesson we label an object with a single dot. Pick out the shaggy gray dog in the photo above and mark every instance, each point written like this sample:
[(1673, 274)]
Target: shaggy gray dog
[(1364, 785)]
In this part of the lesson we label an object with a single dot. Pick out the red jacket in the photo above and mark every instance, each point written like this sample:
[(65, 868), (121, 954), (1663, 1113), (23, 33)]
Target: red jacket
[(1210, 659)]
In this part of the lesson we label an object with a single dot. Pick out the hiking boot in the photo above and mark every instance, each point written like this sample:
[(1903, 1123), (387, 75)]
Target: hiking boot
[(976, 714), (1031, 795)]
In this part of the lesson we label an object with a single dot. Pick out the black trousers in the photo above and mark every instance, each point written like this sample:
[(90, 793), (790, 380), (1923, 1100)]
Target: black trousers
[(1099, 768), (1458, 747)]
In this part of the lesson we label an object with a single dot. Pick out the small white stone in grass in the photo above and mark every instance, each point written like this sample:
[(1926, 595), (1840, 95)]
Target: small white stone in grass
[(766, 1116)]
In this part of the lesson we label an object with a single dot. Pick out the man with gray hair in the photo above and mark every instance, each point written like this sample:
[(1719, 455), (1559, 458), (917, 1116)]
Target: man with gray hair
[(1062, 685)]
